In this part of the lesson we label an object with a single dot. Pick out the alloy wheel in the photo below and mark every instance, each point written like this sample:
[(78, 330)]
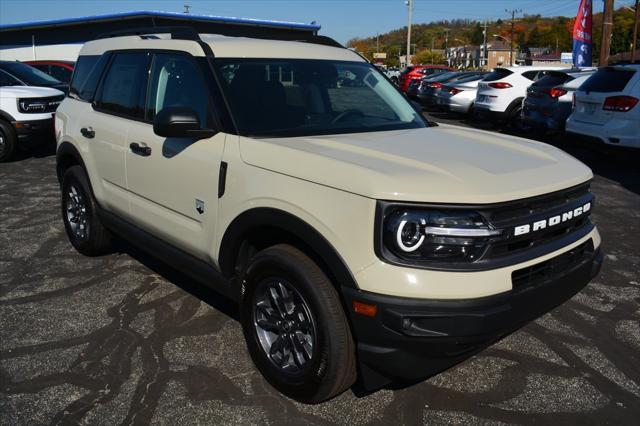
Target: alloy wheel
[(76, 209), (284, 325)]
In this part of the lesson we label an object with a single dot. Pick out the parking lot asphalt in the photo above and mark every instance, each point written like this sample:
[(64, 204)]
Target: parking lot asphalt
[(122, 339)]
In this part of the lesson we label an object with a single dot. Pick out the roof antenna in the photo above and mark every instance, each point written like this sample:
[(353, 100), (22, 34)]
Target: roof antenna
[(186, 8)]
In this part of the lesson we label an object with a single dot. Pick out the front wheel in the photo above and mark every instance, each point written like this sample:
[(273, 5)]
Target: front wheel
[(296, 330), (8, 142)]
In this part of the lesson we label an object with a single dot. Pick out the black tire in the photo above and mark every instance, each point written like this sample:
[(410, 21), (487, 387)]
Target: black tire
[(86, 233), (329, 367), (515, 121), (8, 142)]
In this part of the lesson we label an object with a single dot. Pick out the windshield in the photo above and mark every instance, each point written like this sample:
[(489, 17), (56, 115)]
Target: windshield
[(29, 74), (299, 97)]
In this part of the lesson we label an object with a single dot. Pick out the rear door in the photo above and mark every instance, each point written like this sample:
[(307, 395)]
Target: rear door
[(119, 101), (606, 83), (173, 182)]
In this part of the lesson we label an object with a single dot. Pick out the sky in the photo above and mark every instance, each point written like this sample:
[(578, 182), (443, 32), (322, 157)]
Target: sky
[(340, 19)]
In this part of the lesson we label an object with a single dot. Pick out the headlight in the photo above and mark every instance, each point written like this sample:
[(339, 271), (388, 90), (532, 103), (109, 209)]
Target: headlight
[(36, 105), (32, 105), (435, 236)]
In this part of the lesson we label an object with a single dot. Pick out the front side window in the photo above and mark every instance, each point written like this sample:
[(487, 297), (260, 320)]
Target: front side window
[(299, 97), (176, 81), (124, 85)]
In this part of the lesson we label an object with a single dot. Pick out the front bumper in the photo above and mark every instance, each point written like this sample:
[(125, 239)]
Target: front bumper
[(32, 133), (410, 339)]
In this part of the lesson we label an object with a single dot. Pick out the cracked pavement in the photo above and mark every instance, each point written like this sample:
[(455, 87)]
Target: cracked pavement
[(123, 339)]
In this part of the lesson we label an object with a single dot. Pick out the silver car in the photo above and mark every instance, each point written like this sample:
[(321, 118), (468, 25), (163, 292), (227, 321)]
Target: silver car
[(459, 96)]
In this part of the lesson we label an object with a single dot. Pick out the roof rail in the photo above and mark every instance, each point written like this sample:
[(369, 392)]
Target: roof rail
[(189, 33), (177, 32)]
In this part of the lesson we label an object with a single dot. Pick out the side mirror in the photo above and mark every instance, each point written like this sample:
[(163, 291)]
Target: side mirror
[(180, 122)]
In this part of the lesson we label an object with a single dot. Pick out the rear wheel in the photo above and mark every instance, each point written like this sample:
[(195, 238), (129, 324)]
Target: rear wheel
[(516, 123), (8, 142), (84, 229), (296, 330)]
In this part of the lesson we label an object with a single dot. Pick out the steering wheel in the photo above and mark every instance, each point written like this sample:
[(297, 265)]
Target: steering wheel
[(346, 113)]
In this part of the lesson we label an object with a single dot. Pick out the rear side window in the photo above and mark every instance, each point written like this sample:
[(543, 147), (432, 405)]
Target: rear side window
[(553, 79), (497, 74), (123, 88), (608, 80), (86, 76)]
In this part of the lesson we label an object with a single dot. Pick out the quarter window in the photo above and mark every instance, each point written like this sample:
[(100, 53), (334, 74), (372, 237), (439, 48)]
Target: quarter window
[(176, 81), (123, 88)]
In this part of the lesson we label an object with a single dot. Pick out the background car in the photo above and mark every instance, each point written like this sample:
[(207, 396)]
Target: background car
[(412, 90), (606, 107), (417, 72), (549, 100), (459, 96), (26, 75), (60, 70), (501, 92), (428, 90)]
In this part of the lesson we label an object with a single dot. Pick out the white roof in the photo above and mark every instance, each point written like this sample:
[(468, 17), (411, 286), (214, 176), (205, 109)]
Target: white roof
[(225, 47)]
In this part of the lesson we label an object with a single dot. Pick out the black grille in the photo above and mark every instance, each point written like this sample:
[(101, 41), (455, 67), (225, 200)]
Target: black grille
[(527, 211), (552, 268), (40, 105)]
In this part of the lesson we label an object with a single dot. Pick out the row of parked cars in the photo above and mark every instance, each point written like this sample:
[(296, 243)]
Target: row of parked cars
[(30, 92), (592, 105)]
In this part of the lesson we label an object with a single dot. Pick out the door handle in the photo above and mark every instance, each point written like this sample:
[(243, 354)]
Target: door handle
[(88, 132), (143, 151)]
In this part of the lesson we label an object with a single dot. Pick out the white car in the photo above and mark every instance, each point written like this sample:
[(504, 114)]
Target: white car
[(606, 107), (500, 93), (26, 116)]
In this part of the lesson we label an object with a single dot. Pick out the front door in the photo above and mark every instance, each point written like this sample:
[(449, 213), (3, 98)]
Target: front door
[(173, 182)]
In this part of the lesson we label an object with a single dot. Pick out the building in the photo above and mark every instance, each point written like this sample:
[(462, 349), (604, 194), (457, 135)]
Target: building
[(464, 57), (499, 55), (62, 39)]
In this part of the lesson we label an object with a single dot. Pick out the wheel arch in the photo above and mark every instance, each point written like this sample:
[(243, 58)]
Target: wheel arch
[(513, 105), (262, 227), (67, 155)]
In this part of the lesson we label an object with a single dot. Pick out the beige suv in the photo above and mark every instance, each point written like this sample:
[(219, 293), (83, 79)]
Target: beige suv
[(359, 240)]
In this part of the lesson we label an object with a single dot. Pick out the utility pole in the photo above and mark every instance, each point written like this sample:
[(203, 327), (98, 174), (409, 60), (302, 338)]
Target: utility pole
[(485, 54), (513, 18), (409, 4), (377, 42), (446, 45), (607, 27), (635, 33)]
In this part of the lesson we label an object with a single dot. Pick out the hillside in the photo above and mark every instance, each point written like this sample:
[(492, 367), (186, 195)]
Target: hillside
[(529, 31)]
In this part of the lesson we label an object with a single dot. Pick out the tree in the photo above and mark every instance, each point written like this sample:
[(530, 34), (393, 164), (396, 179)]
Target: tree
[(476, 35), (427, 56)]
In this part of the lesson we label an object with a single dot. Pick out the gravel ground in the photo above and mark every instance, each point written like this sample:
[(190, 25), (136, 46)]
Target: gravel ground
[(121, 339)]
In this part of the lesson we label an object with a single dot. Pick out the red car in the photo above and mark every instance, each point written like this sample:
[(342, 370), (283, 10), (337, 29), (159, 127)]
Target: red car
[(60, 70), (416, 72)]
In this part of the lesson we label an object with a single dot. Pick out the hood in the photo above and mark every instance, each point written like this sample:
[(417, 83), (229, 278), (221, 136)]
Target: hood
[(28, 92), (443, 164)]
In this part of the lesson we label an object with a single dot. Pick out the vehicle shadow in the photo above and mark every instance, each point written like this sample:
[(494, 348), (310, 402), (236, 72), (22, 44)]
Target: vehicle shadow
[(46, 150), (206, 294)]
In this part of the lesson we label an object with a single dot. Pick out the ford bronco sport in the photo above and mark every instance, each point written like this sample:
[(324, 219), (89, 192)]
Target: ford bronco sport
[(359, 240)]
